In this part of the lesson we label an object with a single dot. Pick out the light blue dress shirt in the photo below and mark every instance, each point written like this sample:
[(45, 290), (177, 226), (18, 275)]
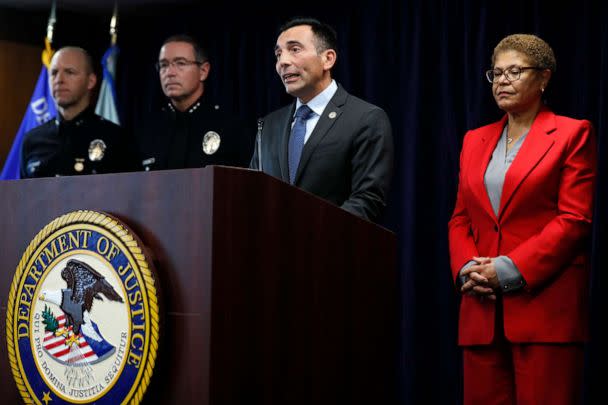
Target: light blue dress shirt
[(317, 104)]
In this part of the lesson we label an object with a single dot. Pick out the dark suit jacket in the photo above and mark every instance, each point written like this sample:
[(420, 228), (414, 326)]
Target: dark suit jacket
[(543, 223), (348, 159)]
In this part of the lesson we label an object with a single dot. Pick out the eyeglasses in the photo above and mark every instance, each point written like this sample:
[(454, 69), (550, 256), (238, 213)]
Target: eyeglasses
[(180, 64), (512, 74)]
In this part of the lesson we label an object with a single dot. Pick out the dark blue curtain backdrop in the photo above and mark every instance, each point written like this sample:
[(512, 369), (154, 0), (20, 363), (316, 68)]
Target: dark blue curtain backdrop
[(423, 62)]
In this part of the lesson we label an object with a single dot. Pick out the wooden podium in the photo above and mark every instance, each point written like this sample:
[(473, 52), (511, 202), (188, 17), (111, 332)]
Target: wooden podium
[(269, 294)]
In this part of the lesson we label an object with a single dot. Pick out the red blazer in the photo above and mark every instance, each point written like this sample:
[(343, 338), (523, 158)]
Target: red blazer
[(543, 225)]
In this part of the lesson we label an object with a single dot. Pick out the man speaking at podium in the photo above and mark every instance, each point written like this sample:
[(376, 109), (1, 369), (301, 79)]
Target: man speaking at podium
[(327, 142)]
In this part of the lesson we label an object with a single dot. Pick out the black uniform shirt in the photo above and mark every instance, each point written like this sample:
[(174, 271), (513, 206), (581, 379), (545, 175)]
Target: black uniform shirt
[(200, 136), (87, 144)]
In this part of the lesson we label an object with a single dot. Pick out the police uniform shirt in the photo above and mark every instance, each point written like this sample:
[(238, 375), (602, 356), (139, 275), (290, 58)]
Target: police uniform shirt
[(200, 136), (87, 144)]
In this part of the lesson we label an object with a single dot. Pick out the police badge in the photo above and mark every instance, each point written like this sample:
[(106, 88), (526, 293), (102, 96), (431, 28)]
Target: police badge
[(97, 150), (82, 316), (211, 142)]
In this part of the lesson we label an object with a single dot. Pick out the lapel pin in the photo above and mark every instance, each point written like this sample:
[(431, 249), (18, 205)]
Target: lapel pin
[(332, 115)]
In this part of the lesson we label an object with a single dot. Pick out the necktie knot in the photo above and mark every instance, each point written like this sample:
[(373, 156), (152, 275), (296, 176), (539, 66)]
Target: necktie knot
[(304, 112)]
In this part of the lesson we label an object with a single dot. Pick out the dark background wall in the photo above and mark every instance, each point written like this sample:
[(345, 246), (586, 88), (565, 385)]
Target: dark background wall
[(14, 102), (423, 62)]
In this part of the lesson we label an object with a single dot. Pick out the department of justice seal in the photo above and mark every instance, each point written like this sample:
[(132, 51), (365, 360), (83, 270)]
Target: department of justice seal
[(211, 142), (82, 316)]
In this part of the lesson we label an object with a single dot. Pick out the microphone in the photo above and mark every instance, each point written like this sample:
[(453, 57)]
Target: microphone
[(258, 143)]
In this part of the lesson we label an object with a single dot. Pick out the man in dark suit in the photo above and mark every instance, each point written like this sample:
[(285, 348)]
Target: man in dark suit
[(327, 142)]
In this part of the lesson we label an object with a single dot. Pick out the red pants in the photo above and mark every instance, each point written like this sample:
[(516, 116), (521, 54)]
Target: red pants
[(523, 374)]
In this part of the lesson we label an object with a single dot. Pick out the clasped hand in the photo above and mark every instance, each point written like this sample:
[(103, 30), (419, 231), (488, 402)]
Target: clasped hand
[(481, 277)]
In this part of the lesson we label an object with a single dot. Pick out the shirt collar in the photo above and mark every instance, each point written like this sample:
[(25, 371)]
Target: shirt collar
[(195, 106), (320, 101), (78, 120)]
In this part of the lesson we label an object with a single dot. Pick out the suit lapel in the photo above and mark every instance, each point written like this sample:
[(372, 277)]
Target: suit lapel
[(480, 158), (534, 147), (285, 129), (330, 116)]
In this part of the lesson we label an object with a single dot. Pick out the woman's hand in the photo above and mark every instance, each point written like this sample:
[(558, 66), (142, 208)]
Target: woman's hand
[(482, 279)]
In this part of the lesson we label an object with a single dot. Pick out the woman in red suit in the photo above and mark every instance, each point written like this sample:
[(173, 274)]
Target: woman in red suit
[(518, 239)]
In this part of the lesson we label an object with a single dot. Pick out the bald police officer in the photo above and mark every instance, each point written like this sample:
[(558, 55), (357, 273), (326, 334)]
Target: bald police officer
[(190, 132), (78, 141)]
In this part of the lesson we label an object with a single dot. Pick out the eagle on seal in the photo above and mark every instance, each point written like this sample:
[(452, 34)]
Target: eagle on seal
[(84, 285)]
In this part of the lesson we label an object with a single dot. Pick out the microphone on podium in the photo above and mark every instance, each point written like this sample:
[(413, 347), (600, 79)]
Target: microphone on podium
[(258, 143)]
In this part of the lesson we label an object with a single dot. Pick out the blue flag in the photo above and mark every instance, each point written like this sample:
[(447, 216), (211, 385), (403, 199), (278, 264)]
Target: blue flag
[(40, 110), (106, 103)]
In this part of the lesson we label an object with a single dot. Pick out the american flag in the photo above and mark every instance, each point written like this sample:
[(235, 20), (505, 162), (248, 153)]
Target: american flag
[(57, 346)]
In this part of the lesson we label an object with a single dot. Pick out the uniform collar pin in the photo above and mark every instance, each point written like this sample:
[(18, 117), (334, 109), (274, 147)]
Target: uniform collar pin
[(194, 107)]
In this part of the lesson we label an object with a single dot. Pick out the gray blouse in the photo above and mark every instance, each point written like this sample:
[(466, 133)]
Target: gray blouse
[(499, 164)]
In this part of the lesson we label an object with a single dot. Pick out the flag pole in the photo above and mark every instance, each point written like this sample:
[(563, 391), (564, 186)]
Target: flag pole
[(114, 24), (106, 102), (50, 27), (47, 53)]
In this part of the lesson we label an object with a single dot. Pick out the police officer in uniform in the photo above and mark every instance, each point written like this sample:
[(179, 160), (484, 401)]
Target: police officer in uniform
[(190, 132), (78, 141)]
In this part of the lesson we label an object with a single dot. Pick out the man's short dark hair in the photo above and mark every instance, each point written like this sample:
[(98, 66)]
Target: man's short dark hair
[(326, 37), (199, 52)]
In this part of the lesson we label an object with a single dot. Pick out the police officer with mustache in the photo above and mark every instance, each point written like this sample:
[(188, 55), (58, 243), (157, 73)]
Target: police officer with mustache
[(190, 132)]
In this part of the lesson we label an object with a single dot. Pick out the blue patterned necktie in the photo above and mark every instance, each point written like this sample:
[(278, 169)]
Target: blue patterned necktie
[(296, 140)]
